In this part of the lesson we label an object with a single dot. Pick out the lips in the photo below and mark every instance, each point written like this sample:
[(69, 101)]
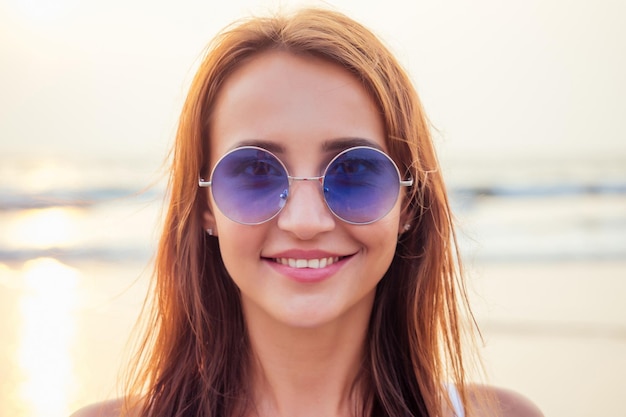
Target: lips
[(307, 266), (315, 263)]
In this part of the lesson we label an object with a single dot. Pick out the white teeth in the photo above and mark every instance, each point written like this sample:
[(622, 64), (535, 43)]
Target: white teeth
[(308, 263)]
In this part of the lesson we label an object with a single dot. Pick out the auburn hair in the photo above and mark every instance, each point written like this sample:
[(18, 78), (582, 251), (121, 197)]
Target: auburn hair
[(193, 357)]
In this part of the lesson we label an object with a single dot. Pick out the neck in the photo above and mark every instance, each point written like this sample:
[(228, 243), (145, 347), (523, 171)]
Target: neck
[(306, 371)]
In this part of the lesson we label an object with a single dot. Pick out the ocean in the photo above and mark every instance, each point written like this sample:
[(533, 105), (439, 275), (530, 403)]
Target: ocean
[(77, 236), (534, 210)]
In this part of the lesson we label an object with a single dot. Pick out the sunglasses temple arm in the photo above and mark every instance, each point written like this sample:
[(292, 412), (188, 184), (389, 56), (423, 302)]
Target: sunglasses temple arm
[(406, 183), (203, 183)]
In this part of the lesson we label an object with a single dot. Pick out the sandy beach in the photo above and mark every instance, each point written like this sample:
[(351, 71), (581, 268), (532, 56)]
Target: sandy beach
[(555, 331)]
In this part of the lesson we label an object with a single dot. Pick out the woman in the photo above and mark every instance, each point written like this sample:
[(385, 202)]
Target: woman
[(307, 264)]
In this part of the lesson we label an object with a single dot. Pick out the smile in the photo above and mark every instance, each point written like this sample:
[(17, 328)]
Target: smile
[(307, 263)]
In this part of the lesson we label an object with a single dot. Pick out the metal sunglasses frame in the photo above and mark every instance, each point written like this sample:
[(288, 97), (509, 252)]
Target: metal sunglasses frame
[(319, 178)]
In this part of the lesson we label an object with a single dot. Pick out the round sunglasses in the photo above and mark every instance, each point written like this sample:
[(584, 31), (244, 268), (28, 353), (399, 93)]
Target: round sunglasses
[(250, 185)]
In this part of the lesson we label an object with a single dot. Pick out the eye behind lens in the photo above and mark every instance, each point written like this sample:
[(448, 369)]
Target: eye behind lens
[(361, 185), (248, 184)]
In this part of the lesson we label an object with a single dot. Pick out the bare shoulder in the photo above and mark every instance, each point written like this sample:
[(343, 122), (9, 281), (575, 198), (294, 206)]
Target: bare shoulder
[(509, 403), (111, 408)]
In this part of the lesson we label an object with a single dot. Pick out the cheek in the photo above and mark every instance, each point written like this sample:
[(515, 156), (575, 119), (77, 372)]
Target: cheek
[(240, 246), (388, 232), (380, 239), (386, 236), (388, 228)]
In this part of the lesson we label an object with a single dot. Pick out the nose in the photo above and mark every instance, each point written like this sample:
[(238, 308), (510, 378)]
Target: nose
[(305, 213)]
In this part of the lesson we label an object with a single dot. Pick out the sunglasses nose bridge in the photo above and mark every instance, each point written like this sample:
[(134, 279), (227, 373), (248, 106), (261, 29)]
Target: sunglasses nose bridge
[(319, 179)]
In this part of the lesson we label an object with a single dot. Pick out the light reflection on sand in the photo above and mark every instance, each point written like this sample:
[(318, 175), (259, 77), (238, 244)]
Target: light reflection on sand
[(47, 332)]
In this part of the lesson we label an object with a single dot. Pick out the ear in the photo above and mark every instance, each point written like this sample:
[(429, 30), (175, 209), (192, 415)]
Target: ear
[(208, 222)]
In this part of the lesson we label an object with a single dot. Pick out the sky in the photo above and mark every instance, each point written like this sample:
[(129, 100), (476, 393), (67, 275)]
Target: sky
[(506, 79)]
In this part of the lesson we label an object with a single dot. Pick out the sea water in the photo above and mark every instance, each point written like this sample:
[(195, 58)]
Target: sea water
[(526, 209)]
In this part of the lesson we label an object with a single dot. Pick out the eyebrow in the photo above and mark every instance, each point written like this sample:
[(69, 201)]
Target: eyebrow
[(341, 144), (260, 143), (334, 145)]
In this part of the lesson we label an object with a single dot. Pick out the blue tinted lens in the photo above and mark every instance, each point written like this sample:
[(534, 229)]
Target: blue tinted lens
[(361, 185), (249, 185)]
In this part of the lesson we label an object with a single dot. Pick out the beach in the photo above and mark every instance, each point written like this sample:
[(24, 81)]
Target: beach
[(549, 331), (525, 103), (545, 264), (555, 331)]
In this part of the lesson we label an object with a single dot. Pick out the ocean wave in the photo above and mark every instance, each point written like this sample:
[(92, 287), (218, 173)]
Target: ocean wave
[(69, 255), (89, 197), (81, 198), (540, 190), (518, 221)]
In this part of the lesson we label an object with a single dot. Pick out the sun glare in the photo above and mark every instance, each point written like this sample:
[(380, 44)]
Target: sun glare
[(45, 228), (47, 332), (49, 174)]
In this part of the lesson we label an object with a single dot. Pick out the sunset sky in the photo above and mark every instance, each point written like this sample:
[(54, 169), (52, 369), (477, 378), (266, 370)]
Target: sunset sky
[(532, 78)]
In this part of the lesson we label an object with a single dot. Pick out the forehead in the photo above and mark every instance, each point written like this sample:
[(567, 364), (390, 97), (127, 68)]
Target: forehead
[(297, 103)]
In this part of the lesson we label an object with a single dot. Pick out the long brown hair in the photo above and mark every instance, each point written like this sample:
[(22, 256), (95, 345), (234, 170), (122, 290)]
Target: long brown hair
[(193, 359)]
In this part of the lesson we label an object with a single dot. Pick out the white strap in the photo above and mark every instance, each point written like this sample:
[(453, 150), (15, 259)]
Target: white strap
[(455, 399)]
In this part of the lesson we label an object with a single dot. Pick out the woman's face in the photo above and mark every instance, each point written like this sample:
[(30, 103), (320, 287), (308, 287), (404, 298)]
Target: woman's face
[(305, 110)]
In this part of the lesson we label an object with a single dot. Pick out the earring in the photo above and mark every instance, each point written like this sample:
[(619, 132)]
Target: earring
[(407, 227), (209, 231)]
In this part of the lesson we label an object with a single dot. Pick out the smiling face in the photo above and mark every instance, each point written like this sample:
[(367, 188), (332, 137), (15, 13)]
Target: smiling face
[(304, 267)]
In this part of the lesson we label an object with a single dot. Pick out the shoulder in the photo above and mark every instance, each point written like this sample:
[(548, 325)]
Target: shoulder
[(508, 403), (111, 408)]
